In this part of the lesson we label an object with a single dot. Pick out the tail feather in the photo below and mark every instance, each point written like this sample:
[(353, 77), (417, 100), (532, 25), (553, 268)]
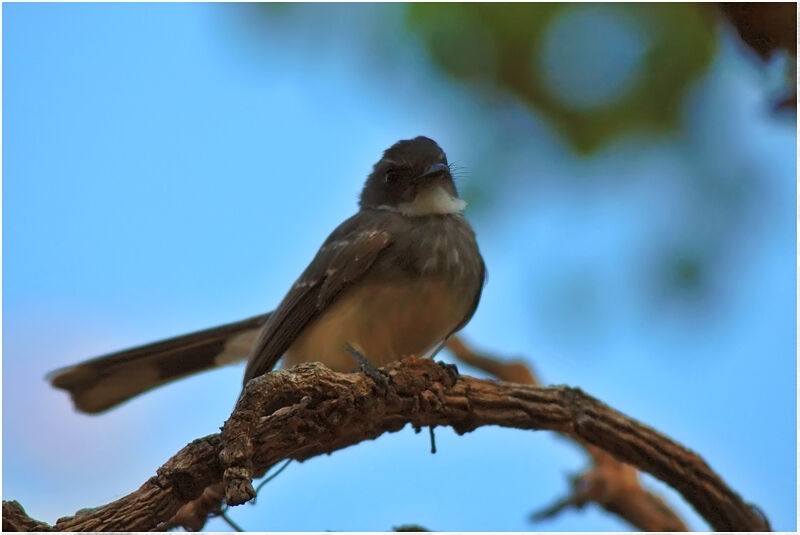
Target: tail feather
[(101, 383)]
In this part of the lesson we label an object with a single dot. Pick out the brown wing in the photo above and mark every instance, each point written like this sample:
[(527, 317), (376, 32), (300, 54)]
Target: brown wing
[(345, 256)]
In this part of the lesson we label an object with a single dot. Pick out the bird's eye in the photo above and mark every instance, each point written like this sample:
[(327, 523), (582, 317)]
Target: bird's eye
[(391, 175)]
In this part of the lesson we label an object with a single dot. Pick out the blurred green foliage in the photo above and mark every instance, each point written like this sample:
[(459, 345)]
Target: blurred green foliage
[(497, 44), (596, 72)]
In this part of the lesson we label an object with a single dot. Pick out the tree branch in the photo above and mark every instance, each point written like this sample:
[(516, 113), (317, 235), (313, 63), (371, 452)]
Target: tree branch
[(309, 410), (613, 485)]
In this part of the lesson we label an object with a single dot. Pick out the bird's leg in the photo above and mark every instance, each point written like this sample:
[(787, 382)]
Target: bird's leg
[(380, 377)]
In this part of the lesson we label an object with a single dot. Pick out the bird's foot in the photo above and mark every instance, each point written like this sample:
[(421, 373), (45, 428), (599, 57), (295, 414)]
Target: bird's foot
[(452, 369), (379, 377)]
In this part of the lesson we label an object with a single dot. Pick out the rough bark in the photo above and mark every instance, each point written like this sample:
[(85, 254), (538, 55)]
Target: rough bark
[(15, 519), (309, 410)]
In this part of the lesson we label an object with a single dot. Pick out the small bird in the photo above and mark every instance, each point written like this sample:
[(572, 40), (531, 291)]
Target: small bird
[(396, 279)]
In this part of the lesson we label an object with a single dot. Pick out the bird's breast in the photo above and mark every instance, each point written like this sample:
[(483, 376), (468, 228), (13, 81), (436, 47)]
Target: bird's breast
[(384, 321), (418, 291)]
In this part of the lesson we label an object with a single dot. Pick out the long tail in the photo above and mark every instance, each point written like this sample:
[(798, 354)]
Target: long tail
[(104, 382)]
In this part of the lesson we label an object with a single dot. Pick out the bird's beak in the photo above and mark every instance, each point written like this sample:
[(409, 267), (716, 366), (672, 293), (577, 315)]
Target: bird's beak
[(434, 171)]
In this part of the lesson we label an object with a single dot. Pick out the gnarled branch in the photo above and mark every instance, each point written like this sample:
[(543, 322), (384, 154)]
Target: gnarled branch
[(309, 410), (613, 485)]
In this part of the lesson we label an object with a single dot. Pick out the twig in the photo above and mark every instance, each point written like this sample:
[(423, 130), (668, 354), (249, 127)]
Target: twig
[(270, 478), (230, 522), (433, 439)]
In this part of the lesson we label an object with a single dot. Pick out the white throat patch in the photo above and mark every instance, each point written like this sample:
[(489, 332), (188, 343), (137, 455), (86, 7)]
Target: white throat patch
[(428, 202)]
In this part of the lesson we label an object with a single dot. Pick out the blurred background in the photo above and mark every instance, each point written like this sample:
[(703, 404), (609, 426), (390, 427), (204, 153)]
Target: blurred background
[(631, 176)]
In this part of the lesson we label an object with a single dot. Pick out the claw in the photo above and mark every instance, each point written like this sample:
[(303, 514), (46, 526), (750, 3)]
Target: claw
[(380, 377)]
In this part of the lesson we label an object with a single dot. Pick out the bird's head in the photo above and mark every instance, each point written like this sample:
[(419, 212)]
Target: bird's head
[(412, 178)]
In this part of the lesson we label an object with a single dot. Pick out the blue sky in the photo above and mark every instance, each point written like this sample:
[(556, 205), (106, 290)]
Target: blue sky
[(165, 169)]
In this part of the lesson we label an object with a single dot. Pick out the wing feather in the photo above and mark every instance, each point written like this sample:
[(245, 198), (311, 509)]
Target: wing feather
[(345, 257)]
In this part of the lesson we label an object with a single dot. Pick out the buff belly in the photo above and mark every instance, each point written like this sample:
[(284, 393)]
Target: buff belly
[(384, 322)]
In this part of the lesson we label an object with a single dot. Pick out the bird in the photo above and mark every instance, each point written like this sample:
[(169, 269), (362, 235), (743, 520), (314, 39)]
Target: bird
[(396, 279)]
